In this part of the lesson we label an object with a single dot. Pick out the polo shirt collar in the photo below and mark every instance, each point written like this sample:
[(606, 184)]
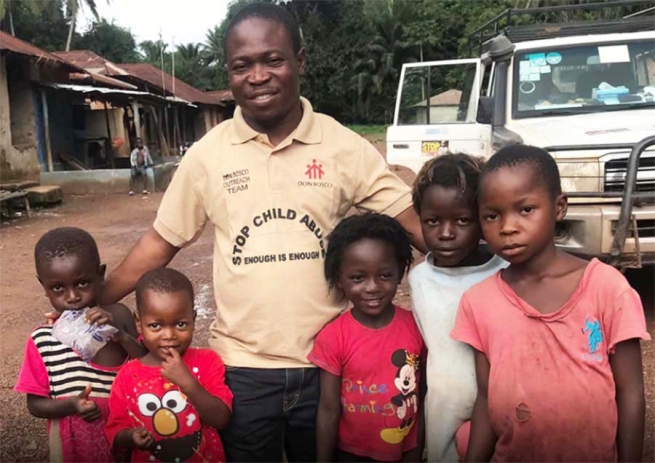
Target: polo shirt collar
[(308, 131)]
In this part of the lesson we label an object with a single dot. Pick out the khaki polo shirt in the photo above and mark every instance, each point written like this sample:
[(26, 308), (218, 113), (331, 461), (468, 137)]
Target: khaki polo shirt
[(272, 209)]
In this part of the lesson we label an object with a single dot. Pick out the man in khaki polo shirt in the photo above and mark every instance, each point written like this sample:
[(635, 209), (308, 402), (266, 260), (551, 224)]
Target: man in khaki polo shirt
[(273, 181)]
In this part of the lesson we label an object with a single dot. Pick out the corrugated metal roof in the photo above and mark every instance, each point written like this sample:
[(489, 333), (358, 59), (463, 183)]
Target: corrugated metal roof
[(114, 91), (91, 62), (100, 79), (224, 96), (15, 45), (153, 76)]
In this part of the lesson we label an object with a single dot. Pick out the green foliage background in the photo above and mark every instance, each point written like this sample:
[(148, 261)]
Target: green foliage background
[(355, 48)]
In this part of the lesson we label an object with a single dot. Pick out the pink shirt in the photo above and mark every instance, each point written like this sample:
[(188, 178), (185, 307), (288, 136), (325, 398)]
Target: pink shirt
[(142, 397), (379, 370), (51, 369), (551, 389)]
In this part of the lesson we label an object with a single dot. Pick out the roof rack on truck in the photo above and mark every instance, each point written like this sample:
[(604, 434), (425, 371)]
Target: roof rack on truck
[(521, 25)]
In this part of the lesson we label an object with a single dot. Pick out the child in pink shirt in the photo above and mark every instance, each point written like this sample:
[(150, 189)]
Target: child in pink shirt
[(371, 356), (558, 359)]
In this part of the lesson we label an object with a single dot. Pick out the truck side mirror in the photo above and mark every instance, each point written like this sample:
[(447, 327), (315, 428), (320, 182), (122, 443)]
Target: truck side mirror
[(485, 110)]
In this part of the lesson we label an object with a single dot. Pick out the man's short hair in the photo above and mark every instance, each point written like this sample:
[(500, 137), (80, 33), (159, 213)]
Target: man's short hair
[(540, 161), (162, 280), (65, 242), (269, 12)]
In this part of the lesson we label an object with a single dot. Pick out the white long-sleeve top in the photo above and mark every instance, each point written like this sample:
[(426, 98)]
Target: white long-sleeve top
[(147, 159), (452, 388)]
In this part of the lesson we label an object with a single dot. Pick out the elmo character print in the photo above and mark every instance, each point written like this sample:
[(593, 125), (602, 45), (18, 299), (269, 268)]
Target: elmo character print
[(406, 402)]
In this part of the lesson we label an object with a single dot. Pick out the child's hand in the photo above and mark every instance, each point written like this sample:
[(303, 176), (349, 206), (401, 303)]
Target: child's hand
[(98, 317), (175, 370), (51, 317), (85, 407), (142, 439)]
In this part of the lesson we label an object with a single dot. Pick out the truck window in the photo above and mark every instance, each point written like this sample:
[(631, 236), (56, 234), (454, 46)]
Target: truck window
[(438, 95), (584, 78)]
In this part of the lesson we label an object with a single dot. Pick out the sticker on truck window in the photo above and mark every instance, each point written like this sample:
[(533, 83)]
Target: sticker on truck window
[(614, 54), (537, 59), (553, 58), (434, 148)]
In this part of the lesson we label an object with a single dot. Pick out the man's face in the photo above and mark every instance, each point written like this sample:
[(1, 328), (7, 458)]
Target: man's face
[(264, 71)]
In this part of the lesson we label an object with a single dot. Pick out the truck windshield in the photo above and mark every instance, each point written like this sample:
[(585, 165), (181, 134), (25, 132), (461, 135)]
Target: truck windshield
[(584, 78)]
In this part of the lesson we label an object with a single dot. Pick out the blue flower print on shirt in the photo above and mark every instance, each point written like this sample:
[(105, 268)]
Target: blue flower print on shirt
[(594, 334)]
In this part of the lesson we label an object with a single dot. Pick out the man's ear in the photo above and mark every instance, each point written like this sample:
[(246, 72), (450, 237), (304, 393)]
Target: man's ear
[(301, 56), (561, 206)]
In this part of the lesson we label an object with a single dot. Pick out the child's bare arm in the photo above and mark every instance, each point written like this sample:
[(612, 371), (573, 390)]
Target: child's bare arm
[(45, 407), (119, 316), (327, 418), (483, 438), (628, 376), (212, 410)]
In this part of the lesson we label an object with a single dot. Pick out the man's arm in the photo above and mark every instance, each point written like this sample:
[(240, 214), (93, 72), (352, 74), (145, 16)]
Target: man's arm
[(629, 378), (149, 161), (150, 252), (483, 438), (412, 225)]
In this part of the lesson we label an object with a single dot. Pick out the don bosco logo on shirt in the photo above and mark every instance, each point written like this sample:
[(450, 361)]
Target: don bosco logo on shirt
[(313, 176)]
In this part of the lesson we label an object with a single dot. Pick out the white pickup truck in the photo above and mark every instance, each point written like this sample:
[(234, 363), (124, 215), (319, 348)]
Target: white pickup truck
[(588, 99)]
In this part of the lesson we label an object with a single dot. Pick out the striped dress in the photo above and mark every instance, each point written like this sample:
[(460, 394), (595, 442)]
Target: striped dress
[(51, 369)]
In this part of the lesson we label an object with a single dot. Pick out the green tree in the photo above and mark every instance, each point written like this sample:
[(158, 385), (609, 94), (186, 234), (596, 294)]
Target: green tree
[(110, 41), (152, 52), (73, 7), (39, 22)]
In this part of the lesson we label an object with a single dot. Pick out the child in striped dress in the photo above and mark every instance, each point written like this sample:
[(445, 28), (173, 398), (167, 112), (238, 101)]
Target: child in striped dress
[(70, 393)]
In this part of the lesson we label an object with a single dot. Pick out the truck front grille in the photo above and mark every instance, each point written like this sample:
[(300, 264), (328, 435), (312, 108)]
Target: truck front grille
[(616, 168)]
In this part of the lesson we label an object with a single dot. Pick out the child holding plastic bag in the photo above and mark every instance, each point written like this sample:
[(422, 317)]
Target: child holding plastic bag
[(69, 368)]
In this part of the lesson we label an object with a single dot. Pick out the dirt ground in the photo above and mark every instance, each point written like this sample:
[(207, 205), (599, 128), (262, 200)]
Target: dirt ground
[(117, 221)]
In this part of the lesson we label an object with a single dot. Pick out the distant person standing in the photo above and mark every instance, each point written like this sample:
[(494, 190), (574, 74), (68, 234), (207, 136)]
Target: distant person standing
[(140, 160)]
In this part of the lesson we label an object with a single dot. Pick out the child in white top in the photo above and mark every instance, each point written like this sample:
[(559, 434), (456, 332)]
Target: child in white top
[(444, 196)]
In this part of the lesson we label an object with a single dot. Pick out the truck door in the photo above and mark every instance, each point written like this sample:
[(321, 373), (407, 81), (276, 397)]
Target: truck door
[(436, 110)]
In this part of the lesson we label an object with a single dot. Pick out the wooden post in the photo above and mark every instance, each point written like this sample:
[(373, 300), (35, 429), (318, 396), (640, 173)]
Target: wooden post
[(137, 119), (46, 123), (110, 151), (167, 132)]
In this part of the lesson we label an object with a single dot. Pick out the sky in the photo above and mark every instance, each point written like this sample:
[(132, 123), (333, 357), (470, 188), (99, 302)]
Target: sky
[(180, 21)]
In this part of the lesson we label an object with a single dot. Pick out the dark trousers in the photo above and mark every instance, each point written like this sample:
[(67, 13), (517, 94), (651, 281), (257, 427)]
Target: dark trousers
[(273, 412)]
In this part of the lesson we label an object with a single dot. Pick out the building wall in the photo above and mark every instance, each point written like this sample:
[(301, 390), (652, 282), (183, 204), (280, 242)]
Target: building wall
[(18, 156), (96, 127)]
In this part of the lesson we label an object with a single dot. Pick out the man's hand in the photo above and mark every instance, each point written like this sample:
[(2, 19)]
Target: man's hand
[(175, 370), (85, 407), (142, 439), (97, 317)]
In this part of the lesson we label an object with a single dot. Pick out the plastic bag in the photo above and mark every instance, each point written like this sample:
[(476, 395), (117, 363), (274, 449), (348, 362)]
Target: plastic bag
[(72, 330)]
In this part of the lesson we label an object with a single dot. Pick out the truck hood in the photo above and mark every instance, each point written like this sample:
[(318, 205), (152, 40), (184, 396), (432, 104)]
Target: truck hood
[(628, 126)]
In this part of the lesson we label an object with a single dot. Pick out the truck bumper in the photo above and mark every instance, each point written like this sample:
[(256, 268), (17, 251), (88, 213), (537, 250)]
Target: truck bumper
[(588, 231)]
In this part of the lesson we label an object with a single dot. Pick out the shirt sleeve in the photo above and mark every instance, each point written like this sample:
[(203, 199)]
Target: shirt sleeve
[(149, 161), (466, 329), (119, 418), (33, 376), (326, 353), (625, 320), (133, 158), (181, 216), (378, 189), (211, 374)]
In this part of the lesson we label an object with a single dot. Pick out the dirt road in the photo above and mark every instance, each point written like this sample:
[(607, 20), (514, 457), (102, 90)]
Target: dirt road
[(117, 221)]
